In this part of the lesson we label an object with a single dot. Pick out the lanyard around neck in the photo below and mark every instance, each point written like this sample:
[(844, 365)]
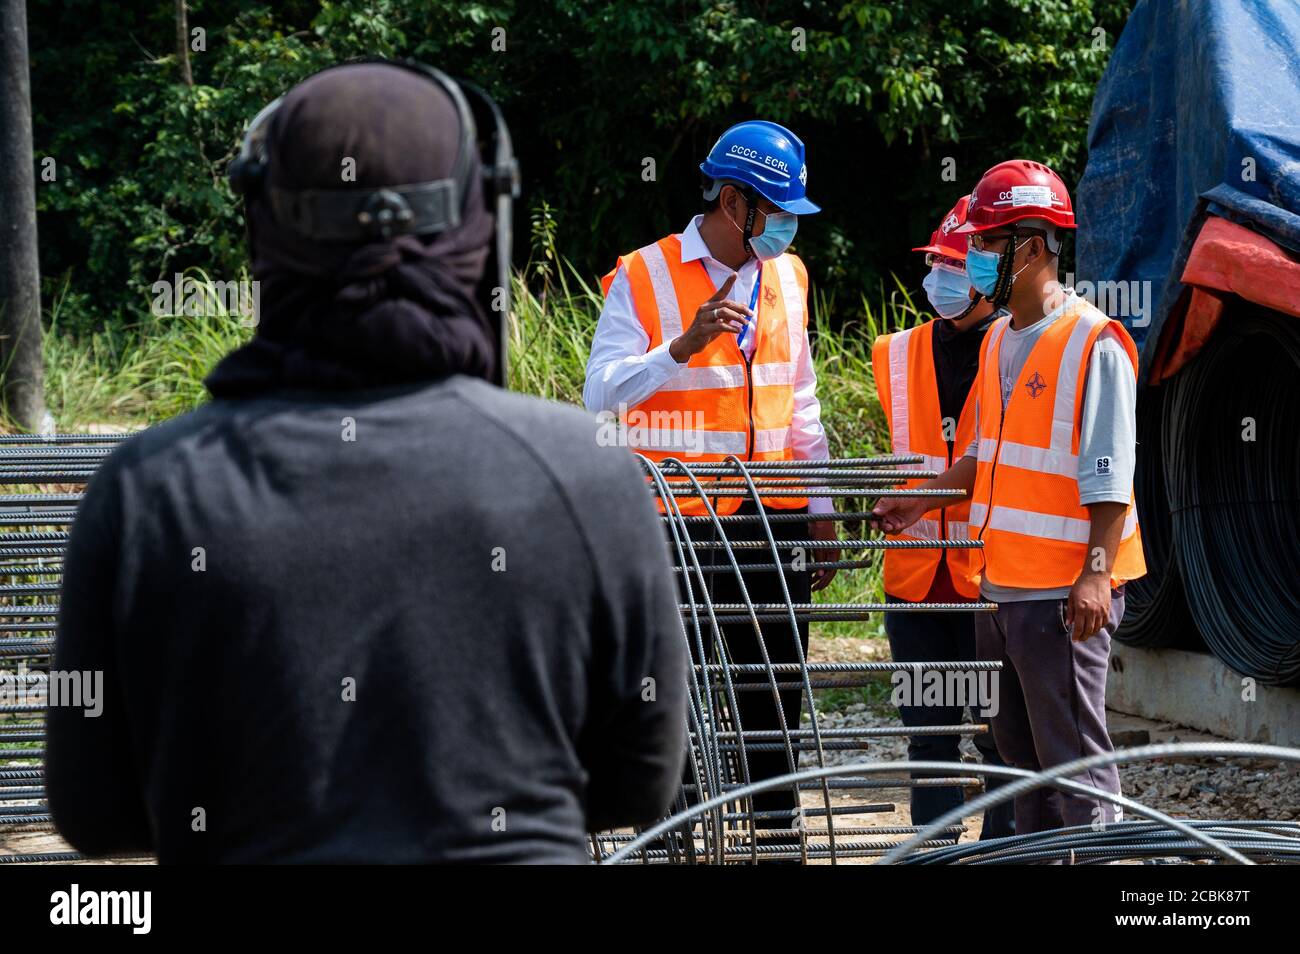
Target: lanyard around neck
[(753, 307)]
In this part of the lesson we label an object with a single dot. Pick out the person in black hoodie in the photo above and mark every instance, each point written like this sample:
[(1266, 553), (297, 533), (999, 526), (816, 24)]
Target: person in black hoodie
[(364, 606)]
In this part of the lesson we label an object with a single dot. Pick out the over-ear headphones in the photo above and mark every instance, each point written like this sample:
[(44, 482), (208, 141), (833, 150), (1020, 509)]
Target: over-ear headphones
[(421, 208)]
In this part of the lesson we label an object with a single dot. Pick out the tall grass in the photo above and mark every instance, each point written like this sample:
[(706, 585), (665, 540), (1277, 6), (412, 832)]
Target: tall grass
[(141, 374), (550, 333), (550, 336), (155, 369), (554, 319)]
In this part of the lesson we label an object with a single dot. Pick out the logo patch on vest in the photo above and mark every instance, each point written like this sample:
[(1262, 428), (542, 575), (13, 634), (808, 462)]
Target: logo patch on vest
[(1035, 385), (769, 297)]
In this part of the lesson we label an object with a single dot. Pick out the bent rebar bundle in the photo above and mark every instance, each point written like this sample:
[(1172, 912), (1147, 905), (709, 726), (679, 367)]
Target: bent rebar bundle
[(744, 648), (716, 819), (35, 513)]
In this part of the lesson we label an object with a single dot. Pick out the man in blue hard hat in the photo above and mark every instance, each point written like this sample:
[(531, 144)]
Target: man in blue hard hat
[(704, 335)]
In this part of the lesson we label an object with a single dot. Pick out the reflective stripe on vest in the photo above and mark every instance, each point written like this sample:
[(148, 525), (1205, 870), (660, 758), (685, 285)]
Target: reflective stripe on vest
[(903, 363), (706, 377), (703, 413), (688, 442), (1026, 501), (1031, 523)]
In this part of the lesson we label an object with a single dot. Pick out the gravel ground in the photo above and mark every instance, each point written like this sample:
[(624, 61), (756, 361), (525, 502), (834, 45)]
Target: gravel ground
[(1216, 789), (1212, 789)]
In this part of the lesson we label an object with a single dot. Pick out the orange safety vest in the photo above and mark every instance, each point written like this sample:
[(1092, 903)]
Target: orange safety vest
[(1026, 502), (721, 403), (909, 392)]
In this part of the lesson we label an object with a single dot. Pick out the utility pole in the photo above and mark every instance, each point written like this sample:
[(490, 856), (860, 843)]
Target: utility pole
[(21, 371)]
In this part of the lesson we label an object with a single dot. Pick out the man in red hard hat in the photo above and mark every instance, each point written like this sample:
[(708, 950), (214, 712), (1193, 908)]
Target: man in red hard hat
[(1050, 477), (923, 377)]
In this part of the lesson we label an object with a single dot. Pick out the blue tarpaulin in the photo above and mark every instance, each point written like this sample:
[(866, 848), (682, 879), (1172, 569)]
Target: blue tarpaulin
[(1198, 113)]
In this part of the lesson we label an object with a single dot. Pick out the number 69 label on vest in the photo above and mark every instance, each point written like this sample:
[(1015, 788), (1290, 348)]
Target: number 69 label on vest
[(1103, 466)]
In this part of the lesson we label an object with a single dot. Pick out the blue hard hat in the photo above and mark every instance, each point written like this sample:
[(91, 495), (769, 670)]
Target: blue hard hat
[(766, 156)]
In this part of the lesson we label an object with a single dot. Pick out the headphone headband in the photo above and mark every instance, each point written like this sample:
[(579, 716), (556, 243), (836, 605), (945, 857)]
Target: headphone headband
[(343, 215), (418, 208)]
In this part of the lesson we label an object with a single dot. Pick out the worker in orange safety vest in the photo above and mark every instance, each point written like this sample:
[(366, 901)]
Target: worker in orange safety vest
[(924, 377), (702, 353), (1049, 474)]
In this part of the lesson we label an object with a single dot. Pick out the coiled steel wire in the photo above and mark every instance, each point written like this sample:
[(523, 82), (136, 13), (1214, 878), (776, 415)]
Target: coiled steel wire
[(1155, 606), (1233, 475)]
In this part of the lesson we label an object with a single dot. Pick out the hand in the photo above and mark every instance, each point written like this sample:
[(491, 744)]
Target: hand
[(824, 530), (717, 315), (896, 514), (1088, 607)]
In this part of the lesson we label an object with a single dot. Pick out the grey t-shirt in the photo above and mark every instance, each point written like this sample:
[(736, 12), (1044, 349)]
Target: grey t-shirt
[(1108, 432)]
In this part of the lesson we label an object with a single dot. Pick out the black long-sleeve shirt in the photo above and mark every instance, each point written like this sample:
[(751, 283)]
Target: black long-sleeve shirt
[(407, 625), (956, 362)]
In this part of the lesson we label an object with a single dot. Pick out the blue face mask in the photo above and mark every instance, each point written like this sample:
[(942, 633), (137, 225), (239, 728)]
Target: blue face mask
[(948, 290), (778, 232), (982, 270)]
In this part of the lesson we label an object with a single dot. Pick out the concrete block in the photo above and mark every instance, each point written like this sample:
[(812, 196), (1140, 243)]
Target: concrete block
[(1199, 691)]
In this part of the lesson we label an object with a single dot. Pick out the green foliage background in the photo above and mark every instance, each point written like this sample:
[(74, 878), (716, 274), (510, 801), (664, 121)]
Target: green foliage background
[(886, 94), (882, 93)]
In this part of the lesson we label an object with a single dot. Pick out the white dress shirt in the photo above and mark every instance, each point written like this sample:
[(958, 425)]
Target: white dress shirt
[(623, 370)]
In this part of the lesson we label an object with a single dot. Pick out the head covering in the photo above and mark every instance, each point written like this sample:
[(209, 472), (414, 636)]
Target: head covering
[(945, 240), (338, 315)]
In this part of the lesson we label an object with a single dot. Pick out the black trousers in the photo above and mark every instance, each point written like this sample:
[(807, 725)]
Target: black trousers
[(757, 709), (942, 637)]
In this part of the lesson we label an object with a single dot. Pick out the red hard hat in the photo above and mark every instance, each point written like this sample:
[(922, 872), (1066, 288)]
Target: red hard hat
[(945, 241), (1014, 190)]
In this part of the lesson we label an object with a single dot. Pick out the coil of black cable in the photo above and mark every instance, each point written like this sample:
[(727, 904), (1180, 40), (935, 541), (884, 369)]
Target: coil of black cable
[(1155, 606), (1232, 468)]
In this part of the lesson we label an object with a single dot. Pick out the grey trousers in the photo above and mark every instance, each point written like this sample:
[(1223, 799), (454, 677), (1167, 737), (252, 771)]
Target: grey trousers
[(1052, 705)]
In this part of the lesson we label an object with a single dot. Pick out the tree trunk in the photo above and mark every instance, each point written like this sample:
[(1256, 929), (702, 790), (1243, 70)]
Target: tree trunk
[(20, 283), (183, 44)]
